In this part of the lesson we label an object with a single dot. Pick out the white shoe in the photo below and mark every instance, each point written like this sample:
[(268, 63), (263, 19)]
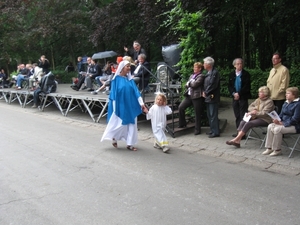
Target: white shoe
[(165, 149), (276, 152), (267, 152)]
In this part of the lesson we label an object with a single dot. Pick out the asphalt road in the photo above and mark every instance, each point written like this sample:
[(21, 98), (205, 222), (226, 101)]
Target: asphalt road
[(55, 170)]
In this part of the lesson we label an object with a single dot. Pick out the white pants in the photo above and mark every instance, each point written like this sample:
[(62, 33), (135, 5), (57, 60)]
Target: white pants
[(274, 135)]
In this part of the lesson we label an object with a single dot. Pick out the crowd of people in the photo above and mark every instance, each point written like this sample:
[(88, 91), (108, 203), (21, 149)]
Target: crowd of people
[(31, 73), (273, 99), (204, 89), (95, 74), (129, 76)]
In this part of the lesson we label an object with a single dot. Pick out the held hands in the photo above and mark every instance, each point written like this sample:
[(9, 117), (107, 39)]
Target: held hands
[(144, 108)]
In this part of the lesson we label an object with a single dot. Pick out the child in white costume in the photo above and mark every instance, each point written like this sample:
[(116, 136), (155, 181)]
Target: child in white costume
[(157, 113)]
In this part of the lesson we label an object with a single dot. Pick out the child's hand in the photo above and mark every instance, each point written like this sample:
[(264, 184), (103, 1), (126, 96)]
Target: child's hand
[(144, 108)]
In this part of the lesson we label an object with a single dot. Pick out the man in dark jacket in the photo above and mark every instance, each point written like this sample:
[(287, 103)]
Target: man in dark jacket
[(239, 86), (44, 63), (211, 94), (135, 52)]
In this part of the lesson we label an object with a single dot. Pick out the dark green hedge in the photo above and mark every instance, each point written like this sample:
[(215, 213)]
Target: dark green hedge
[(64, 77), (258, 79)]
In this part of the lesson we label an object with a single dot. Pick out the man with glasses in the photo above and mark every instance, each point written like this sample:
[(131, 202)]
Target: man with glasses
[(278, 81)]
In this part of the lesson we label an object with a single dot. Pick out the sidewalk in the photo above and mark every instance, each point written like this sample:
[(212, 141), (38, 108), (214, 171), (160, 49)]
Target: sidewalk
[(216, 147)]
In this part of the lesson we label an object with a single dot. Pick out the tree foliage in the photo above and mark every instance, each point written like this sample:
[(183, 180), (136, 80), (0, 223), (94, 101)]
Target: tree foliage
[(63, 30)]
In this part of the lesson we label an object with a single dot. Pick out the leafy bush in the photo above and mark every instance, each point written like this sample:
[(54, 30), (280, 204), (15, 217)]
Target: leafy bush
[(63, 76), (258, 78)]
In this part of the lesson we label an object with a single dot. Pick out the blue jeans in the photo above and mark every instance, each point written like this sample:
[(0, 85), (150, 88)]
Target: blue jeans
[(97, 79), (36, 98), (20, 78), (212, 115)]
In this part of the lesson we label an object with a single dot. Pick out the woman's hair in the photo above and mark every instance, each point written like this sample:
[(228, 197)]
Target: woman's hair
[(162, 95), (199, 65), (129, 59), (294, 91), (234, 61), (265, 90)]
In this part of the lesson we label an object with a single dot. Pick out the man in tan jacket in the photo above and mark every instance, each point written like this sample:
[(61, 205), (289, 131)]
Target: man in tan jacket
[(278, 81)]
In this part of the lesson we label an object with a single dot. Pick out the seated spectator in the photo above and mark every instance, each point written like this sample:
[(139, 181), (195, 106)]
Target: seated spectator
[(107, 71), (48, 85), (141, 74), (105, 80), (289, 123), (258, 110), (36, 77), (80, 66), (3, 79), (94, 71), (24, 73), (81, 80)]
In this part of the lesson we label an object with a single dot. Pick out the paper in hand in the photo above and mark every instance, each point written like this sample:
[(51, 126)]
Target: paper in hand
[(247, 117), (274, 115)]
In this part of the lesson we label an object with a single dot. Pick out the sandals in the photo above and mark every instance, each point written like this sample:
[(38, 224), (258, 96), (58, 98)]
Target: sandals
[(129, 147), (114, 143)]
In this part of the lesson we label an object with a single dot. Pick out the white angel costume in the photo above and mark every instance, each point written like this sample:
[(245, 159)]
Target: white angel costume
[(158, 116)]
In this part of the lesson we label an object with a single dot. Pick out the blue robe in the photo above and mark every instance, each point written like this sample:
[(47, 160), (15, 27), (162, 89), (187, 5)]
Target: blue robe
[(125, 94)]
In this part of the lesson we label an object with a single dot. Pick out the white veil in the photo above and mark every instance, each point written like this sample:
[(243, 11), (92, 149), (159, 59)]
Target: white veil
[(120, 67)]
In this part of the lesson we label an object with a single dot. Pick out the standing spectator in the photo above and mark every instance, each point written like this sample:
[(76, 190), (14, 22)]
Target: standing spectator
[(135, 52), (239, 87), (289, 123), (278, 81), (158, 115), (211, 94), (125, 103), (193, 96), (44, 64)]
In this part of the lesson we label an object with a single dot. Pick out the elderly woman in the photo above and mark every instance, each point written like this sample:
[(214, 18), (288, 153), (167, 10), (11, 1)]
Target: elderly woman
[(289, 123), (258, 110), (125, 104), (193, 96)]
